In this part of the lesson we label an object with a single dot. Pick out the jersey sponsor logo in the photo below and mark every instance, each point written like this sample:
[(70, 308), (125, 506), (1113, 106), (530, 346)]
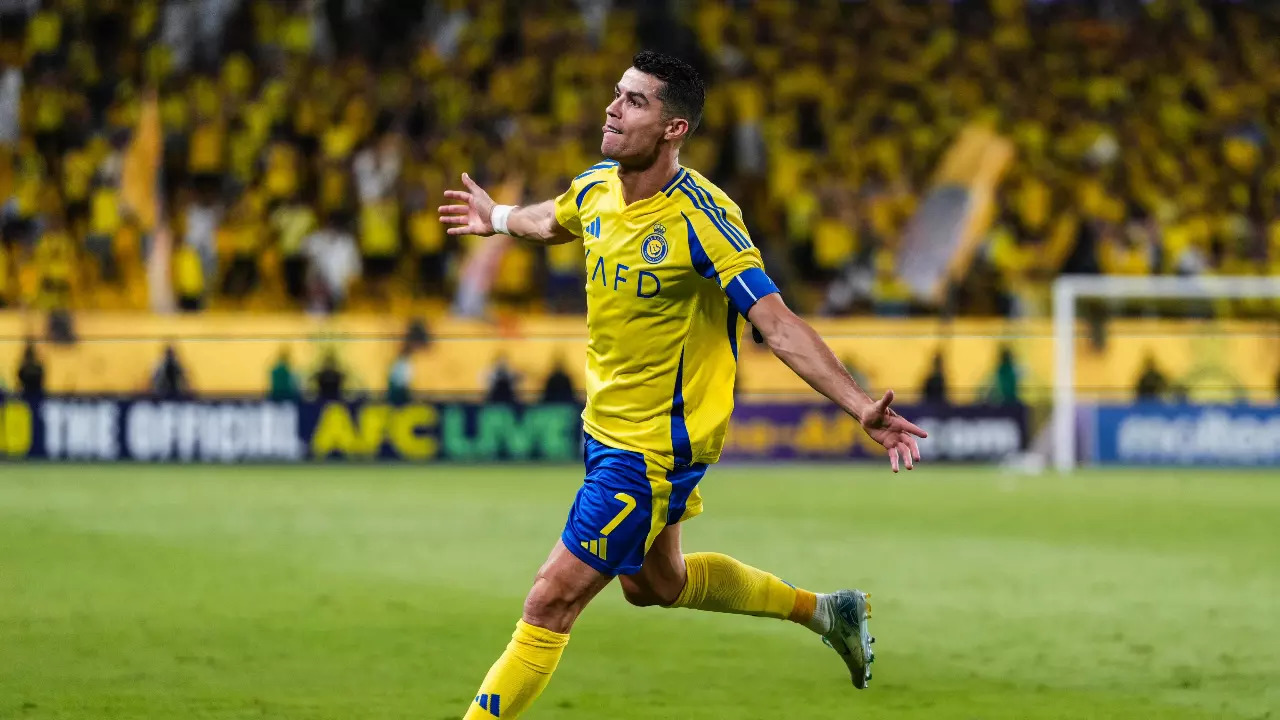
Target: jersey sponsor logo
[(593, 228), (617, 277), (654, 248), (492, 703)]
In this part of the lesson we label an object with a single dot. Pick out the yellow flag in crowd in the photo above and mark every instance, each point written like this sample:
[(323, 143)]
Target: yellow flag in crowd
[(140, 172), (140, 193)]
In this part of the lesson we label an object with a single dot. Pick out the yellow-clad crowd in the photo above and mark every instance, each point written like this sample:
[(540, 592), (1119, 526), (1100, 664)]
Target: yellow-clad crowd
[(1145, 141)]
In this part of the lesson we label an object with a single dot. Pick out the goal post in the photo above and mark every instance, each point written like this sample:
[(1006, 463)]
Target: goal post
[(1069, 290)]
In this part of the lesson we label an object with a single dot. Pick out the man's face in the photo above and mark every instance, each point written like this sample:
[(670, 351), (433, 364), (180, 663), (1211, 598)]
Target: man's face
[(633, 126)]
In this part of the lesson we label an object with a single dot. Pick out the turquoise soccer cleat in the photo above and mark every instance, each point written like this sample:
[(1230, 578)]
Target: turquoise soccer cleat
[(851, 636)]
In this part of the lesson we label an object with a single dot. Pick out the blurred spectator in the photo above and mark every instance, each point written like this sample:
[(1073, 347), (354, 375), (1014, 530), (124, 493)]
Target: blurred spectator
[(292, 221), (60, 327), (243, 233), (10, 102), (284, 382), (1152, 384), (105, 221), (559, 386), (329, 379), (210, 23), (31, 374), (502, 382), (429, 243), (169, 380), (400, 376), (55, 261), (200, 219), (334, 263), (188, 278), (564, 278), (178, 31), (1004, 384), (1144, 139), (891, 295), (377, 169), (934, 391), (6, 275)]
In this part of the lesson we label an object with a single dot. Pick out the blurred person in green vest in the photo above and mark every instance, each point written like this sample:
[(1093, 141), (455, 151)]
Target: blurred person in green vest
[(400, 376), (284, 382), (1004, 382)]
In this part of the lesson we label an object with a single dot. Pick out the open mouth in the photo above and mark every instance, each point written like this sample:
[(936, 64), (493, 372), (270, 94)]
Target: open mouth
[(611, 129)]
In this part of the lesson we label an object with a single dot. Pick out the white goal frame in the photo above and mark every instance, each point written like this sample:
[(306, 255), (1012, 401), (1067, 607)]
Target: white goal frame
[(1069, 289)]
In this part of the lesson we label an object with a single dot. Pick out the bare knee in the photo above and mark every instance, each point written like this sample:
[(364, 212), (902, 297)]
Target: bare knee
[(552, 605), (562, 589)]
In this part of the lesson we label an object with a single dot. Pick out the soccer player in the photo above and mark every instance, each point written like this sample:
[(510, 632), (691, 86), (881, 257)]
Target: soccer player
[(671, 273)]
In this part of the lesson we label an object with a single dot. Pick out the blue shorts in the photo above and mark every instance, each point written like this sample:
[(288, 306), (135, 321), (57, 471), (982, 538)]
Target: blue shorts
[(626, 499)]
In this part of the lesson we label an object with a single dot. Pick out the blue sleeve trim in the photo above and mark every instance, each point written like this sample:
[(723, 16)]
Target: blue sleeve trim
[(719, 216), (697, 203), (701, 262), (583, 193), (746, 289)]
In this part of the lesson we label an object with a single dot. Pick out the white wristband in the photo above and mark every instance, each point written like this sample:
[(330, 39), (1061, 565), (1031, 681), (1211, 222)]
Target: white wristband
[(498, 218)]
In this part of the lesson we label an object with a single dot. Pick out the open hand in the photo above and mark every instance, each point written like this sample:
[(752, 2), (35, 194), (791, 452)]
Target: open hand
[(471, 218), (893, 431)]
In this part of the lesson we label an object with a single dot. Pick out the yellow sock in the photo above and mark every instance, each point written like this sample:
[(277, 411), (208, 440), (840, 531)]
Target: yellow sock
[(718, 583), (520, 675)]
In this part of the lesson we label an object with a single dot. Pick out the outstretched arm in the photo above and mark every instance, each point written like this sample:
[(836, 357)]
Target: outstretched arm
[(536, 223), (801, 348)]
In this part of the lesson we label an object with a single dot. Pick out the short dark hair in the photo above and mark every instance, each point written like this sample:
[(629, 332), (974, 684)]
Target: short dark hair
[(683, 93)]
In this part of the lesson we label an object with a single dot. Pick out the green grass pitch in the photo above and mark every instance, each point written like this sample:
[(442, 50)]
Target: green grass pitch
[(377, 592)]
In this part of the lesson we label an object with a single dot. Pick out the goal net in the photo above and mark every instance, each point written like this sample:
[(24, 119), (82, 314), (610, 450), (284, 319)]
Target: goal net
[(1165, 370)]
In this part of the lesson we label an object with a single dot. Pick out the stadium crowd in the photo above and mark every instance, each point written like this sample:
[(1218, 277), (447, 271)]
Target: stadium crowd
[(306, 142)]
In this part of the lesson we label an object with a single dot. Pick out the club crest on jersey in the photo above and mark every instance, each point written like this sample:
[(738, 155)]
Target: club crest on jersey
[(654, 248)]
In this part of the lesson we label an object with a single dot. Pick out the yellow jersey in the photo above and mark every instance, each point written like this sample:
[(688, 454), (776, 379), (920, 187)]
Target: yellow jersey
[(4, 274), (669, 279), (188, 272)]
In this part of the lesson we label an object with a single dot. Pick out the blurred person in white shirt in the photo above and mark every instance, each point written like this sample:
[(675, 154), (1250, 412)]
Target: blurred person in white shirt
[(334, 261)]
